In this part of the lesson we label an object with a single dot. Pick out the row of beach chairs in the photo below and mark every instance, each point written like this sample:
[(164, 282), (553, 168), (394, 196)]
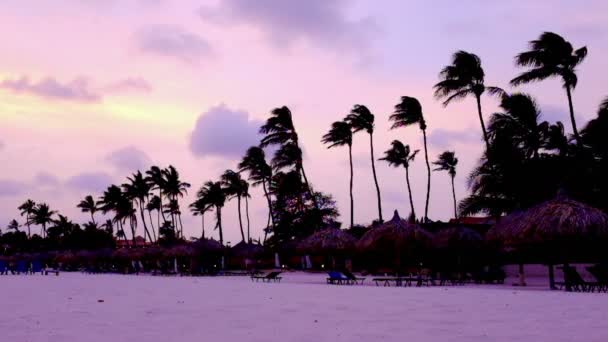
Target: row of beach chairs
[(574, 282), (343, 278), (267, 278), (23, 267)]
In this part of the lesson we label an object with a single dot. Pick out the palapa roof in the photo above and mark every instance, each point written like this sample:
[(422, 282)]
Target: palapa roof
[(395, 234), (457, 237), (558, 219), (244, 249), (329, 240)]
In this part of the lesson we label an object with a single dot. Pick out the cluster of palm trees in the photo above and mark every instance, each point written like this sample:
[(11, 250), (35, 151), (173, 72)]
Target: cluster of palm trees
[(516, 142)]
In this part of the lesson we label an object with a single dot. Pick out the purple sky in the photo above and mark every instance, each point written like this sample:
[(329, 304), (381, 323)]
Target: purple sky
[(92, 90)]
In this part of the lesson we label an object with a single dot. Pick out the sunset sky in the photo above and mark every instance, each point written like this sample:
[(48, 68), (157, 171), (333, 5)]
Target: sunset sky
[(92, 90)]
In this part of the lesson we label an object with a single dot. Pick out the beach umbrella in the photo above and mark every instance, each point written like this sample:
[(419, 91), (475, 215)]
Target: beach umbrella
[(247, 250), (330, 241), (395, 239), (457, 238), (556, 228)]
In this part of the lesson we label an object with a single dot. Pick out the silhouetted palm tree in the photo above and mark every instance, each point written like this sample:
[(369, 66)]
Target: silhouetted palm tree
[(254, 162), (409, 112), (154, 203), (137, 190), (215, 196), (462, 78), (246, 195), (175, 188), (447, 161), (232, 184), (108, 226), (27, 209), (172, 208), (88, 205), (112, 201), (552, 56), (200, 207), (362, 119), (156, 179), (43, 215), (13, 225), (341, 134), (401, 155)]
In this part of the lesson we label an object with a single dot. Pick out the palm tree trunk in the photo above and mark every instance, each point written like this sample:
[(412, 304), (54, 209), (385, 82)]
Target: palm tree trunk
[(428, 179), (409, 192), (352, 202), (312, 196), (267, 195), (203, 225), (152, 228), (371, 146), (141, 214), (454, 197), (44, 229), (181, 226), (92, 217), (240, 217), (572, 119), (219, 224), (483, 125), (132, 232), (27, 218), (160, 197), (247, 217)]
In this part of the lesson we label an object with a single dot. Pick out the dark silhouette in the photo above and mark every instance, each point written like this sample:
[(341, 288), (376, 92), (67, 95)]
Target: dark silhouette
[(341, 134), (233, 186), (88, 205), (214, 195), (27, 209), (552, 56), (254, 163), (447, 161), (362, 119), (401, 155), (43, 215), (409, 112)]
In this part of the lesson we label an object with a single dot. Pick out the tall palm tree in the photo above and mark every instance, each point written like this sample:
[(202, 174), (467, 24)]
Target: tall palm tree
[(401, 155), (409, 112), (215, 196), (246, 195), (173, 209), (154, 203), (27, 209), (43, 215), (156, 179), (88, 205), (362, 119), (462, 78), (174, 189), (138, 190), (552, 56), (254, 163), (233, 187), (447, 161), (341, 134), (280, 130), (112, 201), (200, 207)]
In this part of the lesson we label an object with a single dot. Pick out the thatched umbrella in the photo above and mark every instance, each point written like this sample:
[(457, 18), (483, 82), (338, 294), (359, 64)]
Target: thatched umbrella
[(556, 225), (330, 242), (460, 238), (206, 246), (395, 238), (244, 253)]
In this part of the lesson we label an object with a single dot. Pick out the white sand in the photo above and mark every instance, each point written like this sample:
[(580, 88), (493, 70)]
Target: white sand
[(301, 308)]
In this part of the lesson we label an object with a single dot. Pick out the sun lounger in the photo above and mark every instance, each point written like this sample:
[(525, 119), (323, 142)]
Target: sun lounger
[(600, 273), (270, 277), (337, 278), (353, 278), (574, 282), (387, 281)]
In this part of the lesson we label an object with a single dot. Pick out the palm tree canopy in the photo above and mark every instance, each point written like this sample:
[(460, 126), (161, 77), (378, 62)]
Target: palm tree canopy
[(408, 112), (173, 185), (27, 207), (462, 78), (110, 199), (155, 177), (254, 162), (138, 187), (550, 56), (288, 155), (154, 203), (360, 119), (43, 214), (340, 134), (232, 183), (447, 161), (88, 205), (278, 128), (13, 225), (214, 193), (399, 154)]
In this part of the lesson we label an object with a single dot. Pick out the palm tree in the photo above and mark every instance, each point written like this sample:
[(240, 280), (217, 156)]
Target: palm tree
[(552, 56), (362, 119), (172, 208), (27, 209), (13, 225), (447, 161), (246, 195), (200, 207), (280, 130), (233, 187), (43, 215), (462, 78), (401, 155), (409, 112), (138, 190), (215, 196), (175, 188), (341, 134), (112, 200), (108, 226), (156, 179), (88, 205), (154, 203), (254, 162)]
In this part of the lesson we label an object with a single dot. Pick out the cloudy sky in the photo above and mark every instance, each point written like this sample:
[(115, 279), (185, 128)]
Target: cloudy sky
[(91, 90)]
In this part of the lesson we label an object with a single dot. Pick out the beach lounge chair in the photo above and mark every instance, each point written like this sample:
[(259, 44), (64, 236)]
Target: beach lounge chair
[(574, 282), (600, 273), (270, 277), (337, 278), (387, 281), (353, 278)]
